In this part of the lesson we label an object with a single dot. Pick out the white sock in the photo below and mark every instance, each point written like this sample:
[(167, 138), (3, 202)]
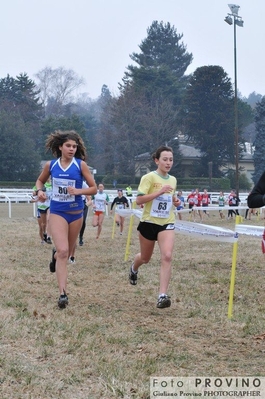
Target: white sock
[(134, 272)]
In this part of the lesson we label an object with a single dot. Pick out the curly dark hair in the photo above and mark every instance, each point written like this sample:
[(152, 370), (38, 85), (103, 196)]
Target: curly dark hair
[(56, 139), (157, 153)]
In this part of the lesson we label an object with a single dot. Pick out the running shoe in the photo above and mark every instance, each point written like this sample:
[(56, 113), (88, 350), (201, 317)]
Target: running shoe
[(48, 240), (63, 301), (53, 262), (71, 259), (163, 302), (45, 237), (132, 277)]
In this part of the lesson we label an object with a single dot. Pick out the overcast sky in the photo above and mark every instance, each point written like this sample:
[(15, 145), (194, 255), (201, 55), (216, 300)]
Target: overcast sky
[(96, 37)]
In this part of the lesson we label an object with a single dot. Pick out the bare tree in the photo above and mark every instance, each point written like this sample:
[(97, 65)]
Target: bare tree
[(57, 86)]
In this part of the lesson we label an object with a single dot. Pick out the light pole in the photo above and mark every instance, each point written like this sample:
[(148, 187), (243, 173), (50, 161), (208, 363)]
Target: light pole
[(230, 18)]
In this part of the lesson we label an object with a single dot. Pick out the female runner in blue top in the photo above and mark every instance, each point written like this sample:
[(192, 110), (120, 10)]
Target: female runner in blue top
[(67, 173)]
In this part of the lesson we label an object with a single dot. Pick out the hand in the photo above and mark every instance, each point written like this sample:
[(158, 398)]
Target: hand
[(71, 190), (176, 202), (42, 197), (166, 189)]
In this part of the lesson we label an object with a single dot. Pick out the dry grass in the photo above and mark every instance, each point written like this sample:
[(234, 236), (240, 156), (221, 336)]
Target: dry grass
[(112, 338)]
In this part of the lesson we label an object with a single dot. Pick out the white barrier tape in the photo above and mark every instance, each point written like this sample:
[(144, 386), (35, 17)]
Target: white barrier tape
[(205, 231), (129, 212), (250, 230), (138, 212), (212, 208)]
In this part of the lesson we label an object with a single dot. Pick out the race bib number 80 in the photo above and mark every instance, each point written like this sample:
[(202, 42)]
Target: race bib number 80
[(60, 192)]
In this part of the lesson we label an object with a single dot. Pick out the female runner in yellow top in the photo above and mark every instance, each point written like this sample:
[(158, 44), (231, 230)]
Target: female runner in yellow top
[(157, 192)]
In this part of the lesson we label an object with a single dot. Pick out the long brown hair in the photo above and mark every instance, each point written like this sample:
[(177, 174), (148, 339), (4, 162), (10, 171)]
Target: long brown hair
[(56, 139)]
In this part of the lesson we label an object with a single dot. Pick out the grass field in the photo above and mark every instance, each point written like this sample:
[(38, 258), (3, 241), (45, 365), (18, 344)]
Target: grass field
[(112, 338)]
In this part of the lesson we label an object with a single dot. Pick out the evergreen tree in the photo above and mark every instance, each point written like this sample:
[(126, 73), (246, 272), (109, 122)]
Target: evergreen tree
[(259, 143), (253, 98), (20, 94), (161, 49), (146, 112), (208, 117), (161, 65), (19, 161)]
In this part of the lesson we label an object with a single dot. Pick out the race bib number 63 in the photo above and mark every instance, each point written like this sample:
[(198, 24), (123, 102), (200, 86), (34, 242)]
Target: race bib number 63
[(161, 206)]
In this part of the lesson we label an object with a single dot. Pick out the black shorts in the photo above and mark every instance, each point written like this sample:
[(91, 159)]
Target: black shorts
[(150, 230), (43, 210)]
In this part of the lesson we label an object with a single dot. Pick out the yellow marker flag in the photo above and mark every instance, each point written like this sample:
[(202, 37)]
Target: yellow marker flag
[(233, 276), (127, 250), (113, 226)]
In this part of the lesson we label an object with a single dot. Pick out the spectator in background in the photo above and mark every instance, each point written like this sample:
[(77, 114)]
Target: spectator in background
[(197, 202), (99, 203), (191, 200), (182, 203), (87, 202), (120, 202), (205, 200), (128, 191), (221, 203), (43, 212), (233, 200)]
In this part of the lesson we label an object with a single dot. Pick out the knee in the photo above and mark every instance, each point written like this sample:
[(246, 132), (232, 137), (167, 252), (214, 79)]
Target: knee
[(62, 253), (145, 259), (167, 257)]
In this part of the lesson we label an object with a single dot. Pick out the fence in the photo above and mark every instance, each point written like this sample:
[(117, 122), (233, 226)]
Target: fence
[(15, 195)]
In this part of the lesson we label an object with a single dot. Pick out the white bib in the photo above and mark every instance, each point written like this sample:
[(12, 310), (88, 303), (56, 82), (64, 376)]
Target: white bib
[(60, 192), (100, 204), (161, 206)]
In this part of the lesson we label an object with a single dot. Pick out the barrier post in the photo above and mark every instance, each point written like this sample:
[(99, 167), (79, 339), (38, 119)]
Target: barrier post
[(127, 250), (113, 225), (233, 275)]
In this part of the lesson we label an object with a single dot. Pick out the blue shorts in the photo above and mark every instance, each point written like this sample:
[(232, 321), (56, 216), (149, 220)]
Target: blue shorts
[(150, 231), (69, 217)]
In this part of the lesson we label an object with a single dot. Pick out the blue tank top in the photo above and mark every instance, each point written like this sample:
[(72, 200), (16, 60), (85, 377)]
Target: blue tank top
[(62, 178)]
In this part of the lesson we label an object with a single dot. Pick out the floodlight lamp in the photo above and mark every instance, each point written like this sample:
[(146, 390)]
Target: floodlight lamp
[(229, 20), (239, 22), (234, 8)]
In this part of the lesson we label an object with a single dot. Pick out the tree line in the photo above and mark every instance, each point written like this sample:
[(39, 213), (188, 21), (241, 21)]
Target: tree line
[(157, 104)]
